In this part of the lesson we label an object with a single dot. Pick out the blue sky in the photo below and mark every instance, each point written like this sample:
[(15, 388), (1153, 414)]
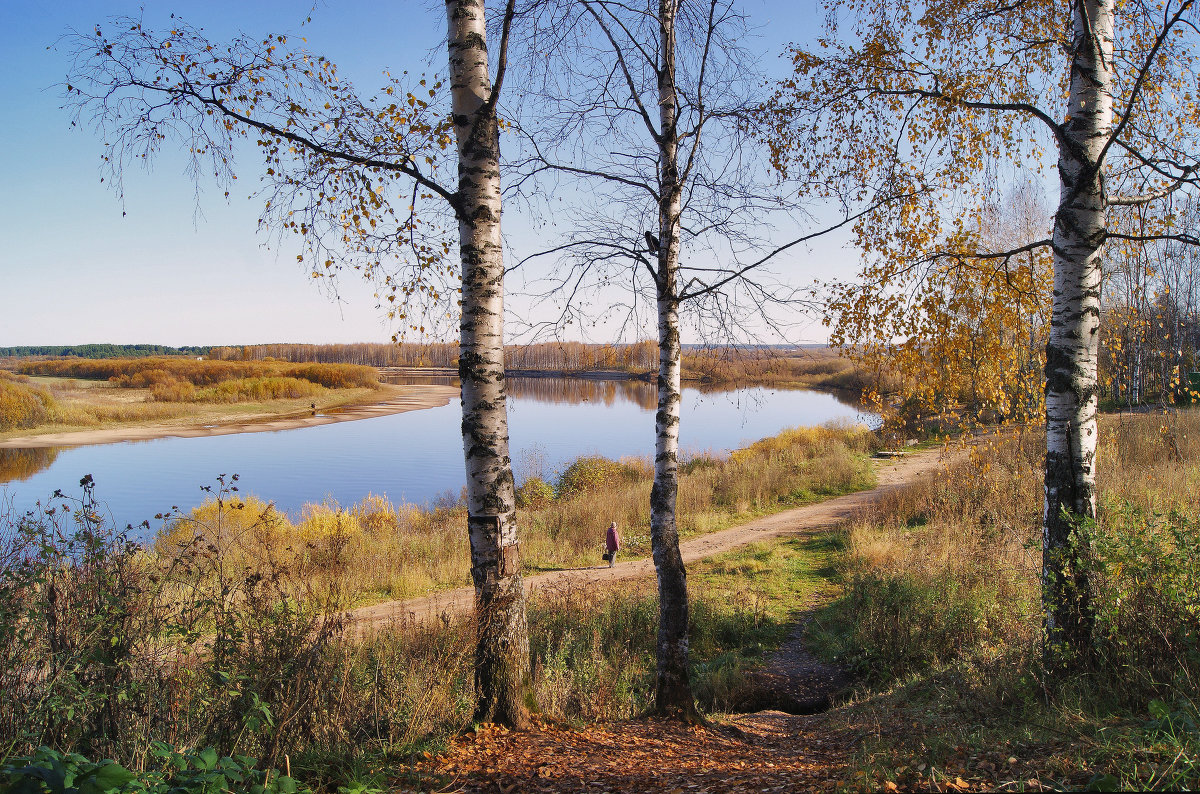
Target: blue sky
[(174, 270)]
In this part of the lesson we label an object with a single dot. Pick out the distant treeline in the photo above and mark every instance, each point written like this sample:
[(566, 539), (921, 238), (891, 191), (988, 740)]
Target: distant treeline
[(560, 356), (102, 351)]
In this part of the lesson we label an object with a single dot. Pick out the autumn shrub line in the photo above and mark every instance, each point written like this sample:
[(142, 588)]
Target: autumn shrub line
[(108, 651), (941, 612), (147, 372)]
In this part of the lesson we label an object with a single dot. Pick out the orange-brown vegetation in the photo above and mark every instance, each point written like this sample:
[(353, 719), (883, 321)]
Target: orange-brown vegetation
[(74, 394), (23, 404), (146, 372)]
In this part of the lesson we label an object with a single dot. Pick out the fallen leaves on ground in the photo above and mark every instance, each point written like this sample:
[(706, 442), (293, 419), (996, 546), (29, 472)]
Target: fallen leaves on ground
[(764, 752)]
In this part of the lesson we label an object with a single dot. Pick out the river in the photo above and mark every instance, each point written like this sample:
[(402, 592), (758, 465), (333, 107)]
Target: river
[(413, 457)]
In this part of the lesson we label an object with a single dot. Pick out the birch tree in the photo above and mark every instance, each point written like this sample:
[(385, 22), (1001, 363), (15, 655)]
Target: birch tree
[(640, 110), (949, 96), (378, 185)]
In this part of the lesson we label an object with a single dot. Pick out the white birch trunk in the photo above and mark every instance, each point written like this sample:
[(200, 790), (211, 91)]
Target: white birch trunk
[(673, 692), (1072, 352), (502, 643)]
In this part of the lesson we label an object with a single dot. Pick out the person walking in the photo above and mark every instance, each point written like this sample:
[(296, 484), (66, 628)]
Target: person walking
[(612, 542)]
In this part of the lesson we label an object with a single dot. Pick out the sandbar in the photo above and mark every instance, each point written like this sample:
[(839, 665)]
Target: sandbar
[(411, 398)]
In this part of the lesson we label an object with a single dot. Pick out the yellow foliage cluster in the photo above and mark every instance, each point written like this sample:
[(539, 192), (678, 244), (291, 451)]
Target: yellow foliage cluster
[(964, 339), (23, 404), (928, 115)]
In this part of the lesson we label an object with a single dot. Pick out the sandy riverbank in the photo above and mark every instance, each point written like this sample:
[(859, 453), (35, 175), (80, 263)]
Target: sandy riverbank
[(399, 400)]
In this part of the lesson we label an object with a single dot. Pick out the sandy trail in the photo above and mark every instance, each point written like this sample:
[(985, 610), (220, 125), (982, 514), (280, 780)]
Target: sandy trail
[(410, 398), (891, 474)]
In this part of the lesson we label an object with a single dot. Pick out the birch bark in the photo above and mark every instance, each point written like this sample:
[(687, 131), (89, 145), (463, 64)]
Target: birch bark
[(673, 693), (1072, 352), (502, 642)]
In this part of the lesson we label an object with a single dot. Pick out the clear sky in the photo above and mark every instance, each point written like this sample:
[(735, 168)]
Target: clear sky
[(176, 270)]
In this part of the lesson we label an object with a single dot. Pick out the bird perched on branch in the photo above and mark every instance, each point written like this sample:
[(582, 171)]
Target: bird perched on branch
[(652, 243)]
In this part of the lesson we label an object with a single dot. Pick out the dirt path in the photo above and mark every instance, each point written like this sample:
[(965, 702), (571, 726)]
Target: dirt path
[(409, 398), (890, 473)]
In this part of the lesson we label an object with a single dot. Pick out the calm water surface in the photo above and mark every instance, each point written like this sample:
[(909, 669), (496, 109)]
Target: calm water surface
[(414, 457)]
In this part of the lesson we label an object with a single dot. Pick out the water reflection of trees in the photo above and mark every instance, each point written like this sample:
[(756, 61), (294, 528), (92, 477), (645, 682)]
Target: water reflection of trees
[(21, 464), (580, 390), (420, 380), (574, 391)]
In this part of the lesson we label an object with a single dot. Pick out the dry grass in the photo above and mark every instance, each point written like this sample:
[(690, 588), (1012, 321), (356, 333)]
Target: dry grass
[(207, 648), (971, 534)]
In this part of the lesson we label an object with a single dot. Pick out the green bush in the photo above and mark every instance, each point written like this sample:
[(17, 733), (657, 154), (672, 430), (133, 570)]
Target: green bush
[(177, 772), (1147, 631), (892, 625), (592, 473), (534, 493)]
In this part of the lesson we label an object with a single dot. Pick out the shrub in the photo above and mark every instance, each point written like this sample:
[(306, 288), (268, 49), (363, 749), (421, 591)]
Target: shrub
[(145, 372), (593, 473), (257, 389), (171, 389), (376, 515), (178, 772), (105, 647), (534, 494), (76, 623), (324, 522), (23, 404), (1147, 631)]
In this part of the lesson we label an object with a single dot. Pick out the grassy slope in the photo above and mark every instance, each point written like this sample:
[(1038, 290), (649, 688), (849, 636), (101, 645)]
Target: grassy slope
[(376, 551), (940, 615)]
